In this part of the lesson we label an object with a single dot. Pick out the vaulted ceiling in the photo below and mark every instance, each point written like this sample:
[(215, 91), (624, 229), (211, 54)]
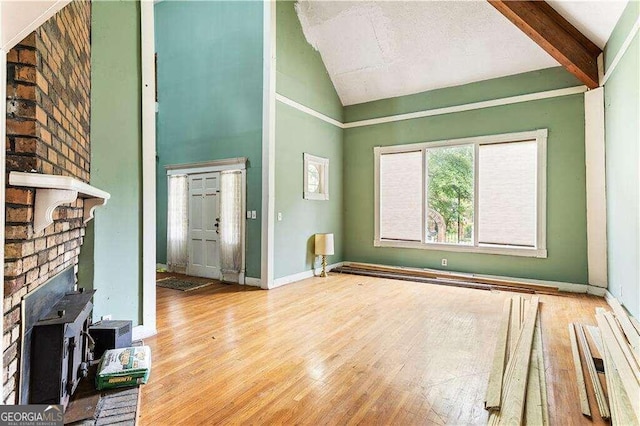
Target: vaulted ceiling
[(382, 49)]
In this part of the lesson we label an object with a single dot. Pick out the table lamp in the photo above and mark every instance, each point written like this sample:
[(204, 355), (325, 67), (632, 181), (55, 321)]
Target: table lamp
[(324, 248)]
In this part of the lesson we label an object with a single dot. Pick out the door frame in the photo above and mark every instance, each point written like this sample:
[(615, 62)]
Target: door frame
[(238, 163)]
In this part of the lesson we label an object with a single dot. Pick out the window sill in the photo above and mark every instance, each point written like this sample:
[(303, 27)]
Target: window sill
[(506, 251)]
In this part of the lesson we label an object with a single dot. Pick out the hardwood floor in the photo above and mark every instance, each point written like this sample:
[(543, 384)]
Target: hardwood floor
[(343, 350)]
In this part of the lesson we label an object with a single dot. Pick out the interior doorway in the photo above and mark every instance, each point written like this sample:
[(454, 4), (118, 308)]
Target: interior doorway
[(205, 219)]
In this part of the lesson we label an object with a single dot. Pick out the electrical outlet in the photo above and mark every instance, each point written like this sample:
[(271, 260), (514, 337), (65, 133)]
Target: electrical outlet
[(279, 216), (105, 318), (444, 262)]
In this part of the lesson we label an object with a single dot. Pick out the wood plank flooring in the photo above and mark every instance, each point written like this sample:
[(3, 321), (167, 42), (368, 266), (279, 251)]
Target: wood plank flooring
[(343, 350)]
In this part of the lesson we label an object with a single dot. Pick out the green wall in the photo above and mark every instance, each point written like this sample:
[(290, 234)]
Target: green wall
[(566, 198), (116, 140), (622, 127), (300, 72), (301, 76), (210, 98)]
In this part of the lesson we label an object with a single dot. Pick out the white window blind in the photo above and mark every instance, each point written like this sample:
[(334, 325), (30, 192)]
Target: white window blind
[(507, 193), (401, 195)]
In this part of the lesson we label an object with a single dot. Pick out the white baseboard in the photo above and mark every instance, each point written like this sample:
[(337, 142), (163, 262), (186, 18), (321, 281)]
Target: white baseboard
[(598, 291), (254, 282), (278, 282), (142, 332)]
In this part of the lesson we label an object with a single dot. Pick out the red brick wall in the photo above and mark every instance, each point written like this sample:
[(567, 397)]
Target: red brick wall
[(48, 116)]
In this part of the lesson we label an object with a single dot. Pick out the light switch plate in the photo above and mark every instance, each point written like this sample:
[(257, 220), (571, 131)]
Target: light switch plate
[(248, 214), (279, 216), (253, 214)]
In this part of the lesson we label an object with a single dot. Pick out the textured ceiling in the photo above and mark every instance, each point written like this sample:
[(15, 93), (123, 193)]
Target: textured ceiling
[(382, 49), (594, 19)]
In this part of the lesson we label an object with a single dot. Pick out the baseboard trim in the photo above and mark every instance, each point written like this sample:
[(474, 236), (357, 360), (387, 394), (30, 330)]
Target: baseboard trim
[(597, 291), (254, 282), (278, 282), (562, 286), (142, 332)]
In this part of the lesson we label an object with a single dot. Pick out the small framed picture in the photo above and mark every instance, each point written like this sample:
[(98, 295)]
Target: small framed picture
[(316, 177)]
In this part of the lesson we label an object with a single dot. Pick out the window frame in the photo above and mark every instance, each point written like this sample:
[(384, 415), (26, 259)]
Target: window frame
[(323, 168), (540, 249)]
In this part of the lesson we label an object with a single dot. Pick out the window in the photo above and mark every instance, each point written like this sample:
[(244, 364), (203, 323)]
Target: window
[(484, 194), (316, 177)]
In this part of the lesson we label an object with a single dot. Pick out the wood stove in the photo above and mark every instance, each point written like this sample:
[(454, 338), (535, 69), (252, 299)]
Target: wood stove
[(60, 349), (55, 340)]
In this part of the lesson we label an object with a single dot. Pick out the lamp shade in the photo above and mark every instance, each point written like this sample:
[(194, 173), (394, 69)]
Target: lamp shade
[(324, 244)]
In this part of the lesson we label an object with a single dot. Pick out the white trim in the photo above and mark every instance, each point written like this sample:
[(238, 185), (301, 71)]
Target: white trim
[(597, 291), (3, 163), (254, 282), (623, 49), (540, 251), (468, 107), (39, 20), (140, 332), (505, 250), (268, 144), (307, 110), (436, 111), (236, 163), (483, 140), (209, 167), (243, 228), (594, 137), (148, 95), (278, 282)]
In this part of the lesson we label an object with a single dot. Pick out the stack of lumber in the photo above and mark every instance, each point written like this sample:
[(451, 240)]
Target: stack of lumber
[(433, 276), (616, 341), (517, 391)]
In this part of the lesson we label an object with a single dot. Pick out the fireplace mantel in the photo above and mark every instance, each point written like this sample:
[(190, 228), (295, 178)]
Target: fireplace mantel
[(54, 190)]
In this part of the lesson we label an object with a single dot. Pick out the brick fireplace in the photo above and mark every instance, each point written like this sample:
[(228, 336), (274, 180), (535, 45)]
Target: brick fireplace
[(48, 117)]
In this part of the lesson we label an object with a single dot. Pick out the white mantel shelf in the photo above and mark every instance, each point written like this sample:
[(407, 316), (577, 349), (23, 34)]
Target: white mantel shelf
[(53, 190)]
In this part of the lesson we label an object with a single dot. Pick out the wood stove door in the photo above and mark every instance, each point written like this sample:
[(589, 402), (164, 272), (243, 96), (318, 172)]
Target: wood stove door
[(76, 365)]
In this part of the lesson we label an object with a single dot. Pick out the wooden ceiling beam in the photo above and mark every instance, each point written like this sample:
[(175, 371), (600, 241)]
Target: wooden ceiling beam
[(555, 35)]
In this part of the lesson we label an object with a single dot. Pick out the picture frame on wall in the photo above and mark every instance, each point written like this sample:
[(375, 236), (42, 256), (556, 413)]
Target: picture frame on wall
[(315, 177)]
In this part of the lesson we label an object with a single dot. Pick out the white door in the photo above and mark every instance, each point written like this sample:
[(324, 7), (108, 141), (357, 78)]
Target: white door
[(204, 221)]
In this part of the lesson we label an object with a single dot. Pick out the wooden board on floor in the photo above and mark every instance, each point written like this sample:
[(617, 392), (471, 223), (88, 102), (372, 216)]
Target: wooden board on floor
[(515, 385), (534, 413), (603, 405), (431, 273), (577, 363), (494, 390), (618, 361)]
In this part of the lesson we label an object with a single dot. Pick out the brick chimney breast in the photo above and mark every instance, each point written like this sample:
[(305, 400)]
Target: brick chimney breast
[(48, 116)]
